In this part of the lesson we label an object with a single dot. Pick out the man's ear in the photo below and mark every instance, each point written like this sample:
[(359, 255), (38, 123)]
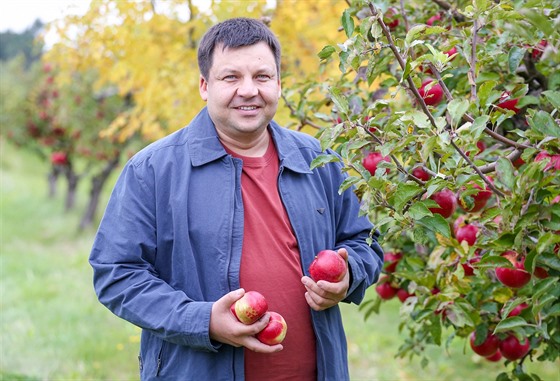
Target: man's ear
[(203, 88)]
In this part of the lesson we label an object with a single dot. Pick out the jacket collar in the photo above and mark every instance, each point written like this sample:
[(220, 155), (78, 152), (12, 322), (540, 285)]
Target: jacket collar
[(205, 146)]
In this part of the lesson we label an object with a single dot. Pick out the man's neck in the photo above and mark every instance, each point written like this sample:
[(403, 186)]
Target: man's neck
[(252, 148)]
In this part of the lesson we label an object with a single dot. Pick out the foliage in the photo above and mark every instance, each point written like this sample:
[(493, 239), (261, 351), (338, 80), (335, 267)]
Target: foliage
[(13, 44), (61, 124), (148, 50), (462, 96)]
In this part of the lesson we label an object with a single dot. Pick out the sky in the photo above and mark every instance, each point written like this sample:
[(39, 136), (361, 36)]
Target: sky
[(18, 15)]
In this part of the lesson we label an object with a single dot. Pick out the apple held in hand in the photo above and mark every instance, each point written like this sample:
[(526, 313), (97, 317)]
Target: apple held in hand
[(328, 265), (275, 331), (250, 307), (488, 347), (513, 277)]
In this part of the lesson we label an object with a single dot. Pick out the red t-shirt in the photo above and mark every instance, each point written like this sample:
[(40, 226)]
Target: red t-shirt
[(270, 264)]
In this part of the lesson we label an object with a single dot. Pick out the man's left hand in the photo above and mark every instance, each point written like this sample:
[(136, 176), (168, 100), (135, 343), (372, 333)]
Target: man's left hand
[(322, 294)]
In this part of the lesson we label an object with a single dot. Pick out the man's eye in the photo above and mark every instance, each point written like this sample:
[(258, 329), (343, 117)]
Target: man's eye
[(229, 78), (263, 77)]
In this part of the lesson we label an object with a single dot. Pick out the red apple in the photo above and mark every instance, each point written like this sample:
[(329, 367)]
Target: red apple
[(391, 260), (513, 277), (59, 158), (385, 290), (495, 357), (479, 199), (250, 307), (467, 266), (391, 18), (403, 295), (541, 272), (434, 20), (481, 146), (553, 163), (421, 174), (488, 347), (537, 52), (508, 103), (518, 309), (468, 233), (275, 331), (512, 349), (432, 95), (446, 201), (372, 159), (328, 265)]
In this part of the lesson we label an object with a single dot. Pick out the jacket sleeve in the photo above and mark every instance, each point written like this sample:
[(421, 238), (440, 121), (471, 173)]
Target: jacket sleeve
[(353, 232), (125, 279)]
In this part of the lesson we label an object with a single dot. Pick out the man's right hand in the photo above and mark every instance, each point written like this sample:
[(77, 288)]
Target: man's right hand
[(225, 328)]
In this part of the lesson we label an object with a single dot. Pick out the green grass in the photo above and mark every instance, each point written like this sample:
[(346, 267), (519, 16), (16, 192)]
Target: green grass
[(53, 327)]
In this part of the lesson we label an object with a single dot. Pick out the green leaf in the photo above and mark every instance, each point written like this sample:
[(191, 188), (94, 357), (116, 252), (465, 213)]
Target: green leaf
[(505, 172), (538, 20), (492, 261), (348, 182), (553, 97), (543, 286), (339, 100), (543, 123), (414, 31), (457, 108), (419, 210), (326, 52), (404, 193), (485, 90), (437, 224), (510, 323), (479, 125), (514, 58), (347, 23), (321, 160)]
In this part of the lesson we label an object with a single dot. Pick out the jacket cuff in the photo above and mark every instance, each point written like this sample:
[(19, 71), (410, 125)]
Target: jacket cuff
[(198, 327)]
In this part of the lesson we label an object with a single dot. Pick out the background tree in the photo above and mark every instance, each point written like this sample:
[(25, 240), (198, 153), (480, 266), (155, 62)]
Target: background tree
[(446, 117)]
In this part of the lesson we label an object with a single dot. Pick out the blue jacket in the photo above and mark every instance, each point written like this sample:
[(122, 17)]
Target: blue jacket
[(169, 245)]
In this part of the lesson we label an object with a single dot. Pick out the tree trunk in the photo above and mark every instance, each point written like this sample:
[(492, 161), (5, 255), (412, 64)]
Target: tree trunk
[(97, 184), (52, 179), (72, 179)]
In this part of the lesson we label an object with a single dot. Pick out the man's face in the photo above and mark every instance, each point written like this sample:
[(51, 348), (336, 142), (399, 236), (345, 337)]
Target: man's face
[(242, 90)]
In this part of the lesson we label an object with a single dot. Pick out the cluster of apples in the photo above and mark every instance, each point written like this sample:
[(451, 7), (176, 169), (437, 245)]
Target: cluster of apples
[(328, 265), (493, 348)]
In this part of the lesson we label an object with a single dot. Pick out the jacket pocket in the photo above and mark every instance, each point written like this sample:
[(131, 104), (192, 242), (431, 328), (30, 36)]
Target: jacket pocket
[(159, 359)]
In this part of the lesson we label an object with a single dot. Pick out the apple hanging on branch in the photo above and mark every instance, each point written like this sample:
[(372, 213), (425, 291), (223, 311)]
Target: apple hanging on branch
[(515, 277)]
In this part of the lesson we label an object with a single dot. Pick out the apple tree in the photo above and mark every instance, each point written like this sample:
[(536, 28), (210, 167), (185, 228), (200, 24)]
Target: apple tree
[(446, 117)]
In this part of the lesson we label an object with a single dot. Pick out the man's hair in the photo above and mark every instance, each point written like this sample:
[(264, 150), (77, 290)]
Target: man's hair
[(235, 33)]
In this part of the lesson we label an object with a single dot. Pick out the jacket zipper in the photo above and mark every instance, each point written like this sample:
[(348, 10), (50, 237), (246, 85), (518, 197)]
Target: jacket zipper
[(158, 367)]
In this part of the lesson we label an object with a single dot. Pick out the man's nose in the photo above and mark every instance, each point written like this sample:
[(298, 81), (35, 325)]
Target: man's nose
[(247, 88)]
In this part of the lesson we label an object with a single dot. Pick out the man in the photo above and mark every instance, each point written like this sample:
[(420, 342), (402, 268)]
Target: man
[(225, 205)]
